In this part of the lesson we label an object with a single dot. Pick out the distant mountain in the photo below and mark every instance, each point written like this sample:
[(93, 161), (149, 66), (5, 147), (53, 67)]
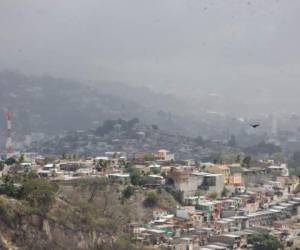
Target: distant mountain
[(53, 105)]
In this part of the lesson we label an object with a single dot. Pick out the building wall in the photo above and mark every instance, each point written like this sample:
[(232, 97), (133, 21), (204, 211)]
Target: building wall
[(236, 179), (219, 186), (188, 187)]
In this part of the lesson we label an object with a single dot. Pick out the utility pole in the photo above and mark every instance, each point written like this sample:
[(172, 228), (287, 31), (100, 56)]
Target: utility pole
[(9, 146)]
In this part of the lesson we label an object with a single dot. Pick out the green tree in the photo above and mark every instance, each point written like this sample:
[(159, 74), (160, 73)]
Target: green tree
[(151, 199), (103, 164), (264, 241), (10, 188), (10, 161), (135, 177), (247, 162), (128, 192), (238, 159), (39, 193), (155, 170), (148, 156)]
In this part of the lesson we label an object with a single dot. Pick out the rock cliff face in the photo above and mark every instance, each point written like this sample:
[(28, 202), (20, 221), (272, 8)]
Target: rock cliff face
[(74, 221)]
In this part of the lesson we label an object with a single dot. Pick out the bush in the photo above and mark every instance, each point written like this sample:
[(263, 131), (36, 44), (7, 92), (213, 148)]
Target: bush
[(151, 200), (262, 241), (136, 178), (10, 161), (39, 193), (10, 188), (128, 192), (148, 156), (155, 170), (213, 196), (247, 162), (225, 192)]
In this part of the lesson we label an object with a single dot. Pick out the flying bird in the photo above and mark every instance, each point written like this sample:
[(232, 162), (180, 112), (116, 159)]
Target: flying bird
[(254, 125)]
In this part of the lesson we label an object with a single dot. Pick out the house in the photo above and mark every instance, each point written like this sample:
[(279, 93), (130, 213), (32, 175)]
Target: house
[(111, 159), (83, 172), (241, 222), (164, 155), (212, 208), (288, 183), (229, 207), (192, 200), (236, 179), (234, 241), (155, 168), (118, 177), (155, 180), (47, 171), (211, 183), (232, 173), (188, 182), (26, 165), (70, 166), (215, 246), (281, 170), (189, 213), (155, 235), (190, 242), (219, 169)]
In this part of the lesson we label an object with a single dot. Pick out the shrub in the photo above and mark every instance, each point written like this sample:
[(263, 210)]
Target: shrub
[(10, 188), (213, 196), (135, 177), (39, 193), (148, 156), (128, 192), (151, 200), (10, 161), (262, 241)]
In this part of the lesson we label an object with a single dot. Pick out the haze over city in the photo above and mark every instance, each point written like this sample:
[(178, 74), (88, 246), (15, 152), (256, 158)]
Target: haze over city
[(189, 48), (149, 125)]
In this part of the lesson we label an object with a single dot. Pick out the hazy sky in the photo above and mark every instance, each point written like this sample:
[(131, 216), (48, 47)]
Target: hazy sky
[(178, 45)]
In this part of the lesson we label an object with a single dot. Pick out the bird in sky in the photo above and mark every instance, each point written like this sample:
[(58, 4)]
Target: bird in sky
[(255, 125)]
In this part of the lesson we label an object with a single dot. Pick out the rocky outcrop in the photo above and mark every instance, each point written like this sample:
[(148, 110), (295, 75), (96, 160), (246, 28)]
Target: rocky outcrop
[(72, 222)]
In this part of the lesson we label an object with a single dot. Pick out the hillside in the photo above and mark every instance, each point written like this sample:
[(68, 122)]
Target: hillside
[(130, 136), (73, 220), (51, 105)]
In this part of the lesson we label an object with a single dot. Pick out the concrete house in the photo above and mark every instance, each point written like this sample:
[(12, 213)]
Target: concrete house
[(164, 155), (188, 182)]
